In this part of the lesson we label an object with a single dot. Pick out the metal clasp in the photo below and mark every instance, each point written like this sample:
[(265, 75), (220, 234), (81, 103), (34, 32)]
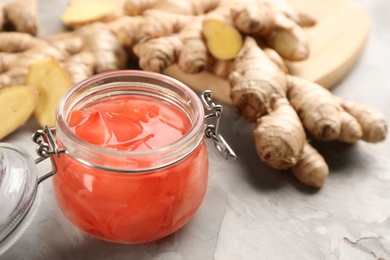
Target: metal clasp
[(47, 148), (212, 126)]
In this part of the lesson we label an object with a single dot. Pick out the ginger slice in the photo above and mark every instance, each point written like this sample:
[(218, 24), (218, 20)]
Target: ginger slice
[(223, 41), (84, 12), (17, 103), (51, 81)]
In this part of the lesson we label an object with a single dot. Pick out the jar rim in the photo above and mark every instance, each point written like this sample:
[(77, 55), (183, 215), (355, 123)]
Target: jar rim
[(193, 136)]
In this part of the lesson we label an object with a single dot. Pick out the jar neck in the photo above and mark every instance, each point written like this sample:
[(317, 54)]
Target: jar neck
[(129, 82)]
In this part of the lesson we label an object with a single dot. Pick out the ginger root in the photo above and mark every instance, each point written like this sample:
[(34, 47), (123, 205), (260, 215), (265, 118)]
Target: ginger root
[(19, 16), (372, 123), (279, 135), (207, 30), (89, 50), (17, 103), (86, 51), (332, 118), (171, 38), (52, 82), (191, 33), (279, 24), (17, 51), (311, 169), (284, 105), (187, 7)]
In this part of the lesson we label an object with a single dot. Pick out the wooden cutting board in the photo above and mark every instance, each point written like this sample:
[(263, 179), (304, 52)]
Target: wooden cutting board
[(336, 42)]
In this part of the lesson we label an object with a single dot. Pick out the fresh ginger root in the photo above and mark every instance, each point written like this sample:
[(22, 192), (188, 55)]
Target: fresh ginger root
[(86, 51), (279, 24), (206, 29), (221, 30), (17, 51), (137, 7), (311, 169), (17, 103), (123, 30), (263, 93), (200, 35), (156, 24), (187, 7), (323, 117), (89, 50), (372, 123), (279, 135), (153, 60), (176, 40), (51, 81), (259, 94), (332, 118), (19, 16)]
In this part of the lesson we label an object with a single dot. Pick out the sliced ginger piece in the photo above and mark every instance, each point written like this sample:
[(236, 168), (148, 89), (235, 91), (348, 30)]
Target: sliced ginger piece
[(223, 41), (84, 12), (17, 103), (51, 81)]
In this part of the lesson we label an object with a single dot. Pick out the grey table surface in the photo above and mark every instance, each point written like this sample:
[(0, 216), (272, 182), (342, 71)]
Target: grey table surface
[(252, 211)]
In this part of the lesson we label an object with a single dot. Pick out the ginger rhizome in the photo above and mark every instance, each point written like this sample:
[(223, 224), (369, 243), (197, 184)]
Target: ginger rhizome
[(17, 51), (279, 24), (19, 16), (283, 106), (259, 93), (217, 35), (84, 52), (88, 50)]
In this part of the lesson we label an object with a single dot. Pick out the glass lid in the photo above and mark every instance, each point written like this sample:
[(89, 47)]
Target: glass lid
[(18, 189)]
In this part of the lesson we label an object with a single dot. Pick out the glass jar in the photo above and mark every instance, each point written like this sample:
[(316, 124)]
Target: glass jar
[(20, 195), (131, 196)]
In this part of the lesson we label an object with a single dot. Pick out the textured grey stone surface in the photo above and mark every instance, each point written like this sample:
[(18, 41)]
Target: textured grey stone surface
[(252, 211)]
